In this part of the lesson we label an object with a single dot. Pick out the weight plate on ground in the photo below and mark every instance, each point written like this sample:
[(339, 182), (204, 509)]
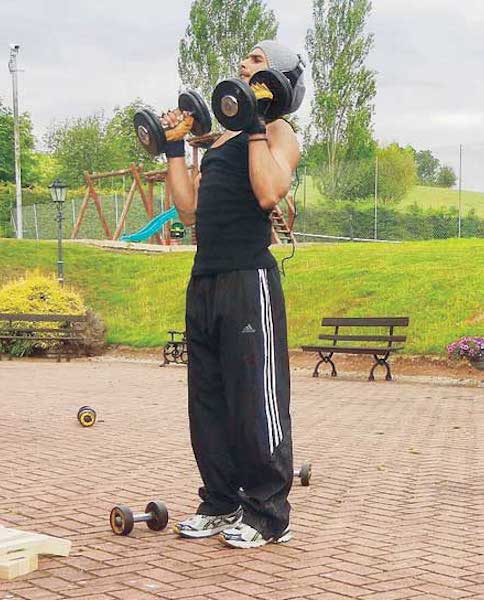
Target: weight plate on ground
[(159, 513), (305, 474), (149, 132), (121, 519), (234, 104), (281, 89), (192, 102), (86, 416)]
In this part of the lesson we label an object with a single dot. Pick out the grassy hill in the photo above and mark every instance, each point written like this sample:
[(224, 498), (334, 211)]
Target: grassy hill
[(423, 196), (438, 284)]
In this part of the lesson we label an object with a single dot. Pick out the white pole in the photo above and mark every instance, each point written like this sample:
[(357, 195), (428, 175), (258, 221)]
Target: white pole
[(12, 65), (116, 208), (376, 198), (36, 222), (460, 191)]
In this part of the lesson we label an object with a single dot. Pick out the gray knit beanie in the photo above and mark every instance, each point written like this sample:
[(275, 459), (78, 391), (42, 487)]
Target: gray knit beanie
[(283, 59)]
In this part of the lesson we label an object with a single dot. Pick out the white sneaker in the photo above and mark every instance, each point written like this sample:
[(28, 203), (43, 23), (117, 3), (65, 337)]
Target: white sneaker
[(245, 536), (201, 526)]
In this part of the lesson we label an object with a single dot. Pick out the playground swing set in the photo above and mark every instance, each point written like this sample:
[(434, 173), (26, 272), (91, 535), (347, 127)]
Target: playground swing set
[(164, 228)]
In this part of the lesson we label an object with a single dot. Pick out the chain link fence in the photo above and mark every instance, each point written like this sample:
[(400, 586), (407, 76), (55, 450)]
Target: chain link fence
[(40, 220), (329, 207), (424, 212)]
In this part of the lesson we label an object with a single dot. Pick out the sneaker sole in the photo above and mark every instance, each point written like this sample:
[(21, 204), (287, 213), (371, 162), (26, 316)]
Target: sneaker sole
[(256, 544)]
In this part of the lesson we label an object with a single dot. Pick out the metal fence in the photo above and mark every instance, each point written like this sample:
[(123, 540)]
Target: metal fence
[(425, 212)]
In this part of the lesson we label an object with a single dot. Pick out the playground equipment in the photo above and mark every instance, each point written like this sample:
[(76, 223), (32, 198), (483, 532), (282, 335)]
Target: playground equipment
[(158, 229)]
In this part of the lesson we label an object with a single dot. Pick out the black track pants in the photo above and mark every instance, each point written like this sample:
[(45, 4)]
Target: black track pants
[(238, 395)]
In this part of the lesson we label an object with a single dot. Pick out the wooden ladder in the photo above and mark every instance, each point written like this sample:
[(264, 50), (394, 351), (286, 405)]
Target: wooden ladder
[(281, 230)]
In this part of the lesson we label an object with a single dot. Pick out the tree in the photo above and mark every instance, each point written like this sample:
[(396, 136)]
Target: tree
[(427, 167), (79, 145), (446, 177), (218, 37), (344, 88), (7, 152), (397, 172)]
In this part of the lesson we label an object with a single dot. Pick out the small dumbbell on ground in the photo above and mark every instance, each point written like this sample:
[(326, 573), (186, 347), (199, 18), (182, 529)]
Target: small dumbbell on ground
[(86, 416), (304, 473), (122, 518)]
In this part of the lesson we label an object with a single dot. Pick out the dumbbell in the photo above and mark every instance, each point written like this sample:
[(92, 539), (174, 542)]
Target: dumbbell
[(122, 518), (86, 416), (153, 135), (304, 473), (234, 101)]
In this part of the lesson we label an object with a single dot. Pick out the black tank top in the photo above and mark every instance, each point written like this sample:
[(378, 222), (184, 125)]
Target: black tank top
[(233, 232)]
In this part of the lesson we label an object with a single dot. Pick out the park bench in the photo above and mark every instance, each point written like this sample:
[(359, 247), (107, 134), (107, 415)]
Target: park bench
[(377, 345), (175, 349), (65, 330)]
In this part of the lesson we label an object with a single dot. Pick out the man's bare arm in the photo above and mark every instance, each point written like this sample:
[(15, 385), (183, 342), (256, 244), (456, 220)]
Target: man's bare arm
[(184, 189), (272, 163)]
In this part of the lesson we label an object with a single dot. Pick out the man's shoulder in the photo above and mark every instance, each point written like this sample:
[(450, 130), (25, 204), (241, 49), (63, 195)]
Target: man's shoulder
[(281, 125)]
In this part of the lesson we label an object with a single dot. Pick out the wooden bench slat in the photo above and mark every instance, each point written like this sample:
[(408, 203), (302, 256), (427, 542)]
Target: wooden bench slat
[(364, 338), (34, 318), (365, 322), (351, 350)]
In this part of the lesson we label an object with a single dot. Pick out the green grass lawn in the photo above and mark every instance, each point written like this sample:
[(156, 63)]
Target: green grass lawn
[(425, 197), (438, 284)]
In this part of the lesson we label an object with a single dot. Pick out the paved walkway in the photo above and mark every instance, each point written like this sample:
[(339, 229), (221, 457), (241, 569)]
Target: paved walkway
[(395, 509)]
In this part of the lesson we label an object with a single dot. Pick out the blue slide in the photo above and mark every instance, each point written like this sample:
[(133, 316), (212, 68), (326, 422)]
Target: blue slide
[(151, 228)]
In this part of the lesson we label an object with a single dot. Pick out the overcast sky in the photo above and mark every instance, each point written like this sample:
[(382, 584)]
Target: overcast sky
[(83, 56)]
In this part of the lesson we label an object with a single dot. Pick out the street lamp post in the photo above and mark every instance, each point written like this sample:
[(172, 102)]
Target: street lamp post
[(58, 191)]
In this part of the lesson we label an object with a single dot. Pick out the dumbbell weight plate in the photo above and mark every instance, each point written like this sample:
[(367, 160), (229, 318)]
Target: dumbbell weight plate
[(159, 519), (281, 89), (192, 102), (305, 474), (149, 132), (121, 520), (86, 416), (233, 104)]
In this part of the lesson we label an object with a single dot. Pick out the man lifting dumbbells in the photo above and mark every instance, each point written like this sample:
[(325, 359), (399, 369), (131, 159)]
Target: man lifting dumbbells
[(238, 369)]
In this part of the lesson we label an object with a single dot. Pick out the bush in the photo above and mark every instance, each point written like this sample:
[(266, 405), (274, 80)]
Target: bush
[(40, 294)]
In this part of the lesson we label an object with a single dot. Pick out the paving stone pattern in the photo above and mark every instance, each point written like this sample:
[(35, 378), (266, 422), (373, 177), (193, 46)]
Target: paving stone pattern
[(395, 509)]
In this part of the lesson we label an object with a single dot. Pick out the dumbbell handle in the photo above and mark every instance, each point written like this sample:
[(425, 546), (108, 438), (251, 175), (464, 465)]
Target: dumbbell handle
[(142, 517)]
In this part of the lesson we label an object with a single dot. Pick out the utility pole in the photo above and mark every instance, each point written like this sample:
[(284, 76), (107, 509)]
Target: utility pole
[(12, 66), (375, 234), (460, 192)]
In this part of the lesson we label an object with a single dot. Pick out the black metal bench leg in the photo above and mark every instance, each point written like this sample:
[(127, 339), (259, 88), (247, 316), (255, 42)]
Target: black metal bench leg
[(316, 368), (383, 362), (325, 359)]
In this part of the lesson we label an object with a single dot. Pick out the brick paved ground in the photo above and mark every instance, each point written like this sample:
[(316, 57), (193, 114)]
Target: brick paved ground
[(395, 509)]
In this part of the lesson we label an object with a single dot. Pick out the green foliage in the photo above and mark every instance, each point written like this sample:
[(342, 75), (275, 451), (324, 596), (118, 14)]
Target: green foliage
[(438, 284), (46, 170), (447, 177), (356, 220), (7, 153), (344, 88), (219, 35), (396, 172), (78, 145), (40, 294), (427, 167)]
